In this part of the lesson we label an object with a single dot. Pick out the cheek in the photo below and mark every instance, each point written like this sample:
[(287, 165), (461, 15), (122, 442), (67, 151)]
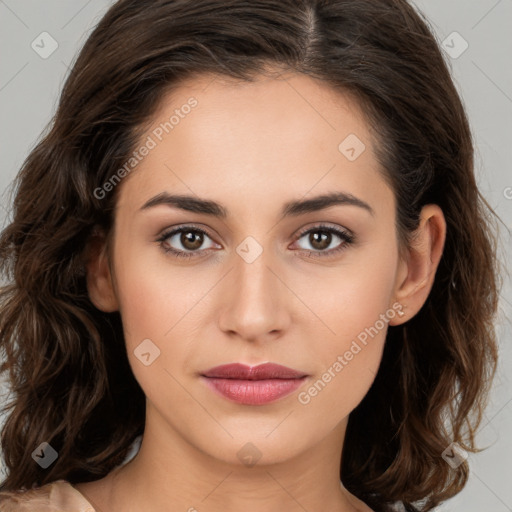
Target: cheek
[(352, 296), (154, 305), (156, 319), (347, 363), (355, 306), (164, 305), (366, 285)]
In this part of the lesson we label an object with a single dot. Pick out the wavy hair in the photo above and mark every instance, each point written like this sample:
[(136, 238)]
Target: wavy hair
[(66, 361)]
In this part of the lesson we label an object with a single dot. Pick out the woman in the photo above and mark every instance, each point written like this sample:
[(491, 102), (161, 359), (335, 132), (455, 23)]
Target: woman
[(252, 239)]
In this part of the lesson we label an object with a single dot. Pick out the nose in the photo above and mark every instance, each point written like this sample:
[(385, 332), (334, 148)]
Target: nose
[(255, 300)]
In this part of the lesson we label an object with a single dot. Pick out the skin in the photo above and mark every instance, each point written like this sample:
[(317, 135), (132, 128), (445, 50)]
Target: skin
[(253, 147)]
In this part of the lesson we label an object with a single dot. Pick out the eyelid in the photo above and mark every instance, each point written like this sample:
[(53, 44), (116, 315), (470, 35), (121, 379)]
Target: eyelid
[(183, 227), (326, 226)]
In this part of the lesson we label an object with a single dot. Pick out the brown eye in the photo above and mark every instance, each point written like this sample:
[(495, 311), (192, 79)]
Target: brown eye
[(191, 240), (185, 241), (320, 238)]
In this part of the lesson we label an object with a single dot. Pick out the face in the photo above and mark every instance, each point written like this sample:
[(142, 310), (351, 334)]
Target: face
[(279, 277)]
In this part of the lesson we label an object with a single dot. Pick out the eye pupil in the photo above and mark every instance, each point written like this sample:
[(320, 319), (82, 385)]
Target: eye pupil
[(324, 235), (188, 236)]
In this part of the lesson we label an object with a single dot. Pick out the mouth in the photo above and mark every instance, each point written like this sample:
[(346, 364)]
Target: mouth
[(255, 385)]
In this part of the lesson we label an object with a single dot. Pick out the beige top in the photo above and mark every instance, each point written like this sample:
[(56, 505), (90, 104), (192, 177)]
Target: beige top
[(57, 496)]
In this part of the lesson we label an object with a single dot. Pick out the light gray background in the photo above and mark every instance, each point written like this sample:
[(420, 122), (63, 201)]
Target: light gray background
[(30, 86)]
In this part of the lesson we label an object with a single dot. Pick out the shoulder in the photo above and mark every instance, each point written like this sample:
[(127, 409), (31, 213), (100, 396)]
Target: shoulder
[(57, 496)]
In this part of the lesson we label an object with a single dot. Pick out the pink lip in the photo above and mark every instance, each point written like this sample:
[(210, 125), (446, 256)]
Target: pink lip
[(253, 385)]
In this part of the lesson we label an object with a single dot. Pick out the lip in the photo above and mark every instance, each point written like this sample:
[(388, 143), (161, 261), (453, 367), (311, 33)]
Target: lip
[(260, 372), (256, 385)]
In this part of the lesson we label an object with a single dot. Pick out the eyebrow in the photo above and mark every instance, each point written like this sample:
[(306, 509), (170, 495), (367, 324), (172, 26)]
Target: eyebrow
[(291, 208)]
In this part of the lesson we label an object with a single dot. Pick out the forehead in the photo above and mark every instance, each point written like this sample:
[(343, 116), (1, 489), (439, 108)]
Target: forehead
[(303, 106), (280, 135)]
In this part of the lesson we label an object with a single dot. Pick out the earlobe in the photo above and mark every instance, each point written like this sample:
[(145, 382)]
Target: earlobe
[(99, 279), (419, 270)]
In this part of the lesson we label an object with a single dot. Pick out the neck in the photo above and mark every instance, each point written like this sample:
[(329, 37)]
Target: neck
[(176, 475)]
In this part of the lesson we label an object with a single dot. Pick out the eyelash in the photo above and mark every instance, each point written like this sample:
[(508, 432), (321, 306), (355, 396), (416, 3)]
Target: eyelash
[(345, 236)]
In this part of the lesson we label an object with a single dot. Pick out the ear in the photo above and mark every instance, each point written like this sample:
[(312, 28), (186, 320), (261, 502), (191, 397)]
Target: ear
[(99, 279), (415, 277)]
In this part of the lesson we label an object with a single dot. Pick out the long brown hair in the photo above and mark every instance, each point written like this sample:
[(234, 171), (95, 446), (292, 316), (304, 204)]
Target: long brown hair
[(67, 367)]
